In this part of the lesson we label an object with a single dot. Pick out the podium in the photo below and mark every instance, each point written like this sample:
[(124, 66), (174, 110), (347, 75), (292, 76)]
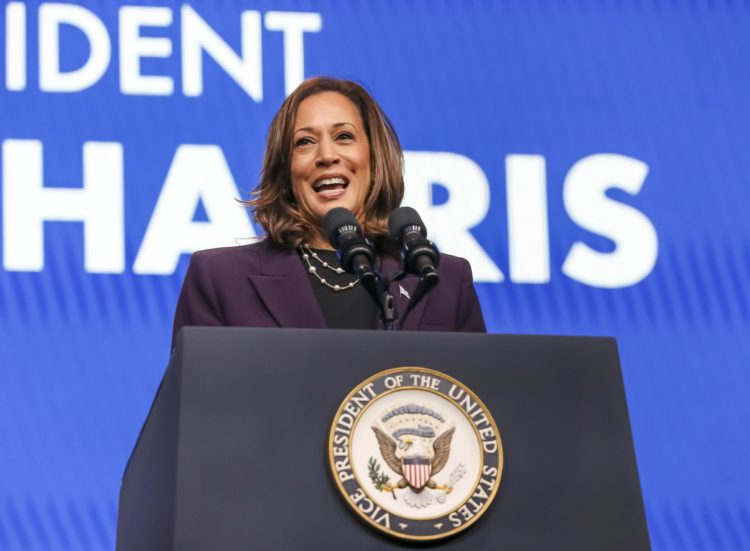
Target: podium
[(233, 452)]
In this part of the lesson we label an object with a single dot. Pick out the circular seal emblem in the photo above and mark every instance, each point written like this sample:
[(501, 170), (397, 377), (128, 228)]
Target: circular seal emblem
[(415, 453)]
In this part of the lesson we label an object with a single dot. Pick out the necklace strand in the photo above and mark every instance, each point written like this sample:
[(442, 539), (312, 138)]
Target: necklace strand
[(307, 252)]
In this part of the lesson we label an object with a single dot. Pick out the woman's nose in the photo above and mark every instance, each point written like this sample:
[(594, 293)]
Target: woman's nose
[(327, 154)]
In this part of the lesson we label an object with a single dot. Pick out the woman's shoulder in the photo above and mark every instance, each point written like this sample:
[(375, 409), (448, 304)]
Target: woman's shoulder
[(457, 264), (249, 250), (452, 260), (248, 255)]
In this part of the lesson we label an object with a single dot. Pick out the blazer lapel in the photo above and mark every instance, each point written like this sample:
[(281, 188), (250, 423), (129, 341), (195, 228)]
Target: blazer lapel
[(285, 290), (402, 292)]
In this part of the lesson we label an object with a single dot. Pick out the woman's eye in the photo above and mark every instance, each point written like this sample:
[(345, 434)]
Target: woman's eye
[(345, 136), (303, 142)]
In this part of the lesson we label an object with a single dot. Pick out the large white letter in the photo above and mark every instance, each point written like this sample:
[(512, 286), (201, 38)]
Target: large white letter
[(293, 25), (133, 47), (528, 234), (636, 243), (449, 223), (27, 205), (197, 37), (51, 16), (15, 46), (198, 173)]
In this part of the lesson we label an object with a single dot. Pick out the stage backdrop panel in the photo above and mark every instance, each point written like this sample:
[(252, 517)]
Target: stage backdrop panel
[(588, 158)]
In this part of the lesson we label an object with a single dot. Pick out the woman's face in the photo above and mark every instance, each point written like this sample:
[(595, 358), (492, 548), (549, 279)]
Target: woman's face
[(330, 155)]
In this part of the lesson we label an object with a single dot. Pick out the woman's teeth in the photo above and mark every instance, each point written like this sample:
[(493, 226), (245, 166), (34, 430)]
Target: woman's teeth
[(329, 182), (329, 188)]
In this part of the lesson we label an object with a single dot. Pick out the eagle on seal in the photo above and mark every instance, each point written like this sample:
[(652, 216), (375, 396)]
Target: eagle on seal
[(416, 455)]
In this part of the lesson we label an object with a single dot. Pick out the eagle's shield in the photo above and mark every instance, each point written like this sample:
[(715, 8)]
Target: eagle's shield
[(417, 471)]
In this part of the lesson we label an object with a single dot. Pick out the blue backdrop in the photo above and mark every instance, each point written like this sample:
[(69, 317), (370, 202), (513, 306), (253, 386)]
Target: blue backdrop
[(588, 157)]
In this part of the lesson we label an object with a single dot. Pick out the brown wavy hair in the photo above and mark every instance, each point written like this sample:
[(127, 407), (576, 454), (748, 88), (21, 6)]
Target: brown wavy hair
[(275, 207)]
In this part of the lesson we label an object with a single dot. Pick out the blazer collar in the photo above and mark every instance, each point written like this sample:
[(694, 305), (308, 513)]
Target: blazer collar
[(285, 290)]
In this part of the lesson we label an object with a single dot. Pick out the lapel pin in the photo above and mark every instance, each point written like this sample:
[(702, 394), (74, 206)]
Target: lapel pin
[(402, 292)]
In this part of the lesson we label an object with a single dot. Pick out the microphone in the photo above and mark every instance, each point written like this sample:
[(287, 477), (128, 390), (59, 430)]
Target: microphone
[(345, 235), (420, 255), (358, 258)]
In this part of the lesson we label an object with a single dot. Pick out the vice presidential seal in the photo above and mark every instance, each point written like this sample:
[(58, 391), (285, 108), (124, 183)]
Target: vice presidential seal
[(415, 453)]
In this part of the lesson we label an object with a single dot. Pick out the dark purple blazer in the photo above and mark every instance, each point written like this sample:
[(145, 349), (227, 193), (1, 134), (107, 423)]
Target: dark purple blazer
[(262, 285)]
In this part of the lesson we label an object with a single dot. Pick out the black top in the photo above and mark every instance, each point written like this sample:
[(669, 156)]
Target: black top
[(350, 308)]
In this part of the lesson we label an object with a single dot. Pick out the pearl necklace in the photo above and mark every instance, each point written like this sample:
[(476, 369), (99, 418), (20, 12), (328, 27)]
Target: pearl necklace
[(307, 252)]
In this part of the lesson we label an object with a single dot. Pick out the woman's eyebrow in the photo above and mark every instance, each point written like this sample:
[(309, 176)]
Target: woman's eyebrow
[(334, 125)]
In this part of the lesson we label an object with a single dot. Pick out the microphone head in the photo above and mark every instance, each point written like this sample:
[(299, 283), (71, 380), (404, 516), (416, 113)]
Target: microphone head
[(419, 254), (405, 217), (337, 222)]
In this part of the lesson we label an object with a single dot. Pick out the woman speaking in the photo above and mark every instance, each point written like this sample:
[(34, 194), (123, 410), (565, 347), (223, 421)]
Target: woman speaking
[(330, 145)]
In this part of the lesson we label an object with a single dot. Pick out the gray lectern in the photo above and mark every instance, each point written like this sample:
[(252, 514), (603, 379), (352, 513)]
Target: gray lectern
[(233, 452)]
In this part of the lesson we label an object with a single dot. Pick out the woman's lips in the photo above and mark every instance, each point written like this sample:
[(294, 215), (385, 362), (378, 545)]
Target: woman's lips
[(330, 188)]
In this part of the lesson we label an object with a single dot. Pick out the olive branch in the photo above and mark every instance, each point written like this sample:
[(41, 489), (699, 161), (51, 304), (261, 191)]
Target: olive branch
[(379, 479)]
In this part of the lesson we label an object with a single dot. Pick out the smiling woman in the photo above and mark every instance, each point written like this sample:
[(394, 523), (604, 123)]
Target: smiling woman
[(330, 145)]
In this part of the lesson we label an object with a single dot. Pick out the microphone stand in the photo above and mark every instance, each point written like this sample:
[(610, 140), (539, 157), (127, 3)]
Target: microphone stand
[(377, 286)]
